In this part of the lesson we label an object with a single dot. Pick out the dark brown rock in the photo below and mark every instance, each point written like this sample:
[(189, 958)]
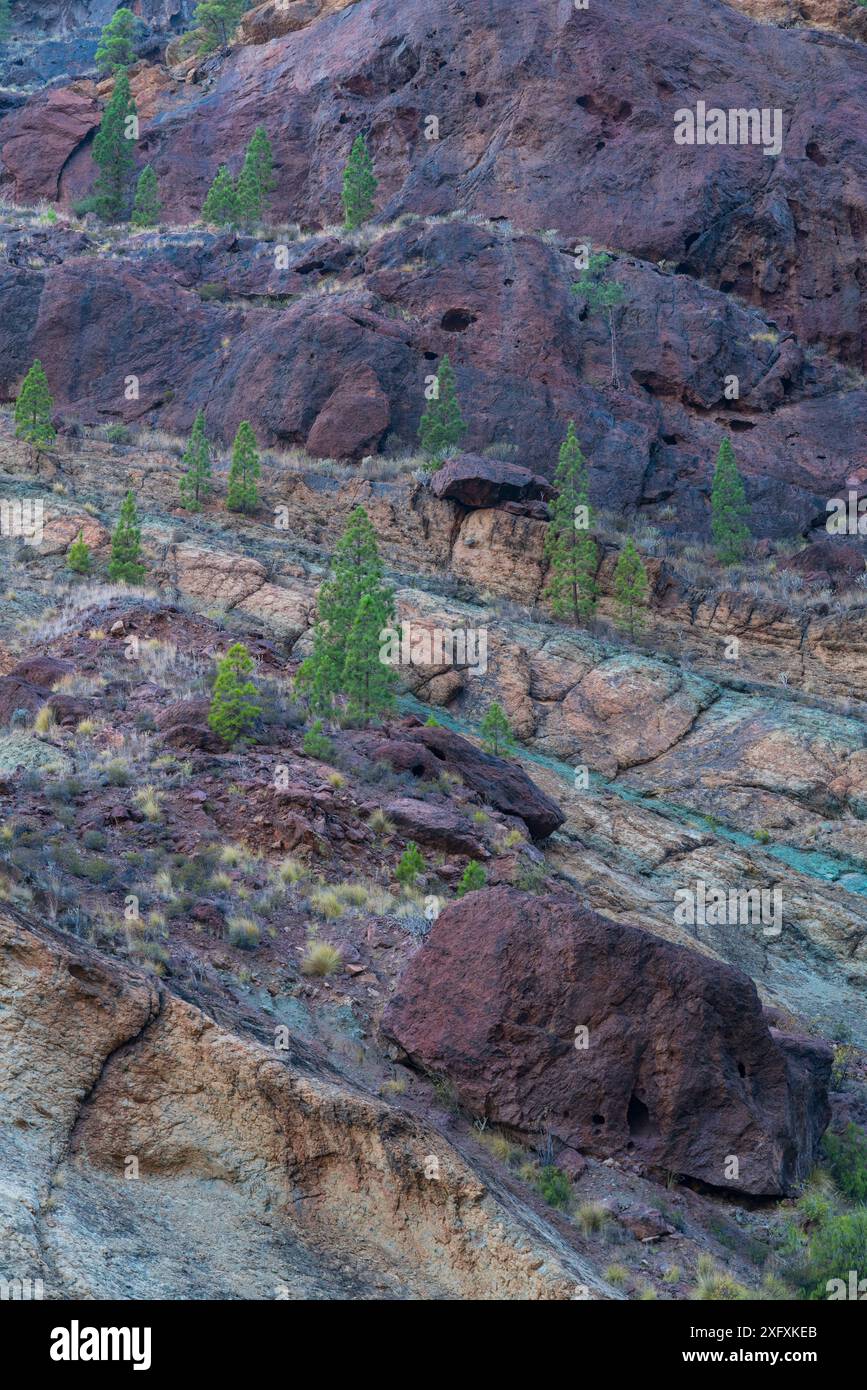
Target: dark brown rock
[(502, 784), (184, 724), (42, 671), (353, 419), (435, 824), (484, 482), (833, 561), (680, 1071)]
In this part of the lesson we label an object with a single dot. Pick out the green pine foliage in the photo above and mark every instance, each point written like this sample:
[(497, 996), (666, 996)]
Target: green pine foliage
[(217, 21), (569, 548), (339, 671), (496, 731), (146, 206), (410, 866), (630, 589), (235, 704), (847, 1159), (602, 295), (221, 203), (78, 557), (33, 409), (316, 743), (256, 181), (359, 185), (473, 877), (117, 42), (729, 509), (442, 426), (368, 682), (195, 484), (112, 152), (243, 494), (126, 564)]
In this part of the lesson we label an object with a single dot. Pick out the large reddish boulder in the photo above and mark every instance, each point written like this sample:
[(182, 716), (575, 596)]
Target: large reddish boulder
[(680, 1070), (486, 482), (502, 784)]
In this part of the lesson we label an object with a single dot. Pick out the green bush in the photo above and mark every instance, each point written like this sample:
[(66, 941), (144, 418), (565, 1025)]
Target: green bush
[(554, 1186), (472, 878), (832, 1250), (846, 1154), (316, 743), (411, 864)]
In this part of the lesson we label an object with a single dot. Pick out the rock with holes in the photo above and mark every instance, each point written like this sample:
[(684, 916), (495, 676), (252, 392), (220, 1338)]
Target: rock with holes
[(546, 1017)]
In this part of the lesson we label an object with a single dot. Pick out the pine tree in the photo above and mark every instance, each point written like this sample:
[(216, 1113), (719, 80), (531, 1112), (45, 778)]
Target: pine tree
[(112, 152), (569, 547), (256, 181), (243, 494), (630, 589), (729, 507), (5, 20), (359, 185), (411, 864), (368, 682), (195, 485), (146, 208), (496, 731), (356, 573), (78, 555), (442, 426), (221, 204), (218, 20), (235, 705), (33, 409), (473, 877), (117, 42), (125, 563), (602, 295)]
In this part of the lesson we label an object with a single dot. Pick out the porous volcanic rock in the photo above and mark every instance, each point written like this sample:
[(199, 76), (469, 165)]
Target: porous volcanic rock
[(553, 118), (485, 482), (680, 1070), (338, 373)]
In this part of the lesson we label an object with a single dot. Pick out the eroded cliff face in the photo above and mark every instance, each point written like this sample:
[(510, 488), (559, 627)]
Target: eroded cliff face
[(526, 89), (152, 1153)]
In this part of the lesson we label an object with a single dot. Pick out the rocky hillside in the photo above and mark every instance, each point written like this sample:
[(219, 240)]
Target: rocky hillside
[(402, 1003)]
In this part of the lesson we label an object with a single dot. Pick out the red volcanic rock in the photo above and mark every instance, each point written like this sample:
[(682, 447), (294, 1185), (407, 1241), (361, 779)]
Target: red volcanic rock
[(39, 137), (832, 561), (353, 420), (484, 482), (526, 366), (427, 752), (42, 671), (680, 1070), (551, 117), (437, 825), (18, 694), (184, 725)]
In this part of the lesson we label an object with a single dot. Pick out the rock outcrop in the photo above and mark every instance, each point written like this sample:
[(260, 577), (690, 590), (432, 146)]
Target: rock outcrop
[(549, 1019), (486, 482), (158, 1154), (592, 93), (503, 785)]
